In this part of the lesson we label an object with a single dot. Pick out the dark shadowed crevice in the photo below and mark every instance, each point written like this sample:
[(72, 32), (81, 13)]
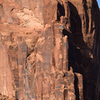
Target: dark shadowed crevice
[(76, 87), (74, 57), (76, 24), (87, 17), (60, 11), (65, 32), (16, 95), (65, 94)]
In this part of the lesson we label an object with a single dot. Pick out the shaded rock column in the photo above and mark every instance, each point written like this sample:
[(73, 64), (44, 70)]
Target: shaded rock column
[(21, 64), (43, 64), (59, 83), (65, 53)]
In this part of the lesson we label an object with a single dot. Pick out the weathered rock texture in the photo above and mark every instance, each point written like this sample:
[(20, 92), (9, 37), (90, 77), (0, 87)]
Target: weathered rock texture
[(49, 49)]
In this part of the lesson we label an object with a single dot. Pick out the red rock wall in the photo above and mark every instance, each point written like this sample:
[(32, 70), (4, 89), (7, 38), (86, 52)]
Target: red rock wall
[(49, 50)]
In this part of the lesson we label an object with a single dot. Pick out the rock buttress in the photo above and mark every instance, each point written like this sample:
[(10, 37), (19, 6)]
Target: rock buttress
[(49, 50)]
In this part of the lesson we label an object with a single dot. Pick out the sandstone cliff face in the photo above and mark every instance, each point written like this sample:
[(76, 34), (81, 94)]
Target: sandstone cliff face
[(49, 50)]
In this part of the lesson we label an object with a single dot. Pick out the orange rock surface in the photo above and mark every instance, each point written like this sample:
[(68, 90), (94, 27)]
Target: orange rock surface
[(49, 50)]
